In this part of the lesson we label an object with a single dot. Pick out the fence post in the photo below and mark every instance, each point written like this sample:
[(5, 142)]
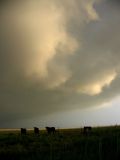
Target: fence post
[(51, 152), (100, 149), (85, 150), (117, 150)]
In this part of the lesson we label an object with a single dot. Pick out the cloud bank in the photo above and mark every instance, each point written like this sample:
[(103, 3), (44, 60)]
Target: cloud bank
[(57, 56)]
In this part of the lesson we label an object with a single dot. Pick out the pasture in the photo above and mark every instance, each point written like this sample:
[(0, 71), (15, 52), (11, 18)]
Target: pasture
[(103, 143)]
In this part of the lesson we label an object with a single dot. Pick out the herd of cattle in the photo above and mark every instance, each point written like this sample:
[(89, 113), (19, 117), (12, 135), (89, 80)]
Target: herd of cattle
[(51, 130)]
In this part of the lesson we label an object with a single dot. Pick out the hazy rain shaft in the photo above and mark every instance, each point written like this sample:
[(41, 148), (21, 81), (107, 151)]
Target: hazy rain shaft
[(57, 56)]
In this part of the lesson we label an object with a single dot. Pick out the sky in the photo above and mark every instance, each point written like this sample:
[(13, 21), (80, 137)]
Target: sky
[(59, 63)]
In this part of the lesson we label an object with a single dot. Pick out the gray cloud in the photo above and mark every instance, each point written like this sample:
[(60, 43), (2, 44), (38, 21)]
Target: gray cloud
[(113, 1), (57, 56)]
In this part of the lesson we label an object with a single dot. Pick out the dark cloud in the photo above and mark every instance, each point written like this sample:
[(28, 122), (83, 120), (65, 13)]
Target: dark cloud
[(113, 1)]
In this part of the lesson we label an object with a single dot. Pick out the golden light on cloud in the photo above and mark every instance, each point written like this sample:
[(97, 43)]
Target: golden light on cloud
[(96, 87), (47, 27), (50, 38), (91, 11), (46, 31)]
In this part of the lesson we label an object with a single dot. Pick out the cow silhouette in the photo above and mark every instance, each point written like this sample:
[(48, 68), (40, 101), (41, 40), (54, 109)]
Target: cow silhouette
[(87, 130), (23, 131), (50, 130), (36, 130)]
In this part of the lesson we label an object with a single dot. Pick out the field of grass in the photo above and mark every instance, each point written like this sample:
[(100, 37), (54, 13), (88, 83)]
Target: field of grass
[(66, 144)]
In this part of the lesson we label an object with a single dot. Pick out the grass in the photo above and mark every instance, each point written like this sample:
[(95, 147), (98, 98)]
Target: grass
[(66, 144)]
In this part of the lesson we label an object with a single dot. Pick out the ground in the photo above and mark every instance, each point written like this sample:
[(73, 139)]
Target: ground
[(103, 143)]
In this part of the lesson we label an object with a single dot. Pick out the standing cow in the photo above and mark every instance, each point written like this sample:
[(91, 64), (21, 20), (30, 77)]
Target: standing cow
[(36, 130), (23, 131), (50, 130), (87, 130)]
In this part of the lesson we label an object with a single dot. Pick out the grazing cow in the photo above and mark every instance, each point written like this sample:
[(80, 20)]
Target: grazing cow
[(87, 130), (23, 131), (36, 130), (50, 130)]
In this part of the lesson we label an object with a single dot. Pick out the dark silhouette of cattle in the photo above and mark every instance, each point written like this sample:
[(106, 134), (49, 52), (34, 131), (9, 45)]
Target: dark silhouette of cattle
[(23, 131), (50, 130), (87, 130), (36, 130)]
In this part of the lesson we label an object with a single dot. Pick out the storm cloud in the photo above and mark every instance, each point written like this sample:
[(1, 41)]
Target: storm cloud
[(57, 56)]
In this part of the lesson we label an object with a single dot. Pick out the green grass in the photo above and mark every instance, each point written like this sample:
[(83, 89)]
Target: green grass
[(67, 144)]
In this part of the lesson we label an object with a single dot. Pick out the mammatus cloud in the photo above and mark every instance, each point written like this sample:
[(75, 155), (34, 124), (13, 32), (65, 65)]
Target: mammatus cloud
[(57, 55), (96, 86)]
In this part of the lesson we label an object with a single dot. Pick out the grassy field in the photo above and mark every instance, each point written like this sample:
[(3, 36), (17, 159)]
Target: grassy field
[(68, 144)]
